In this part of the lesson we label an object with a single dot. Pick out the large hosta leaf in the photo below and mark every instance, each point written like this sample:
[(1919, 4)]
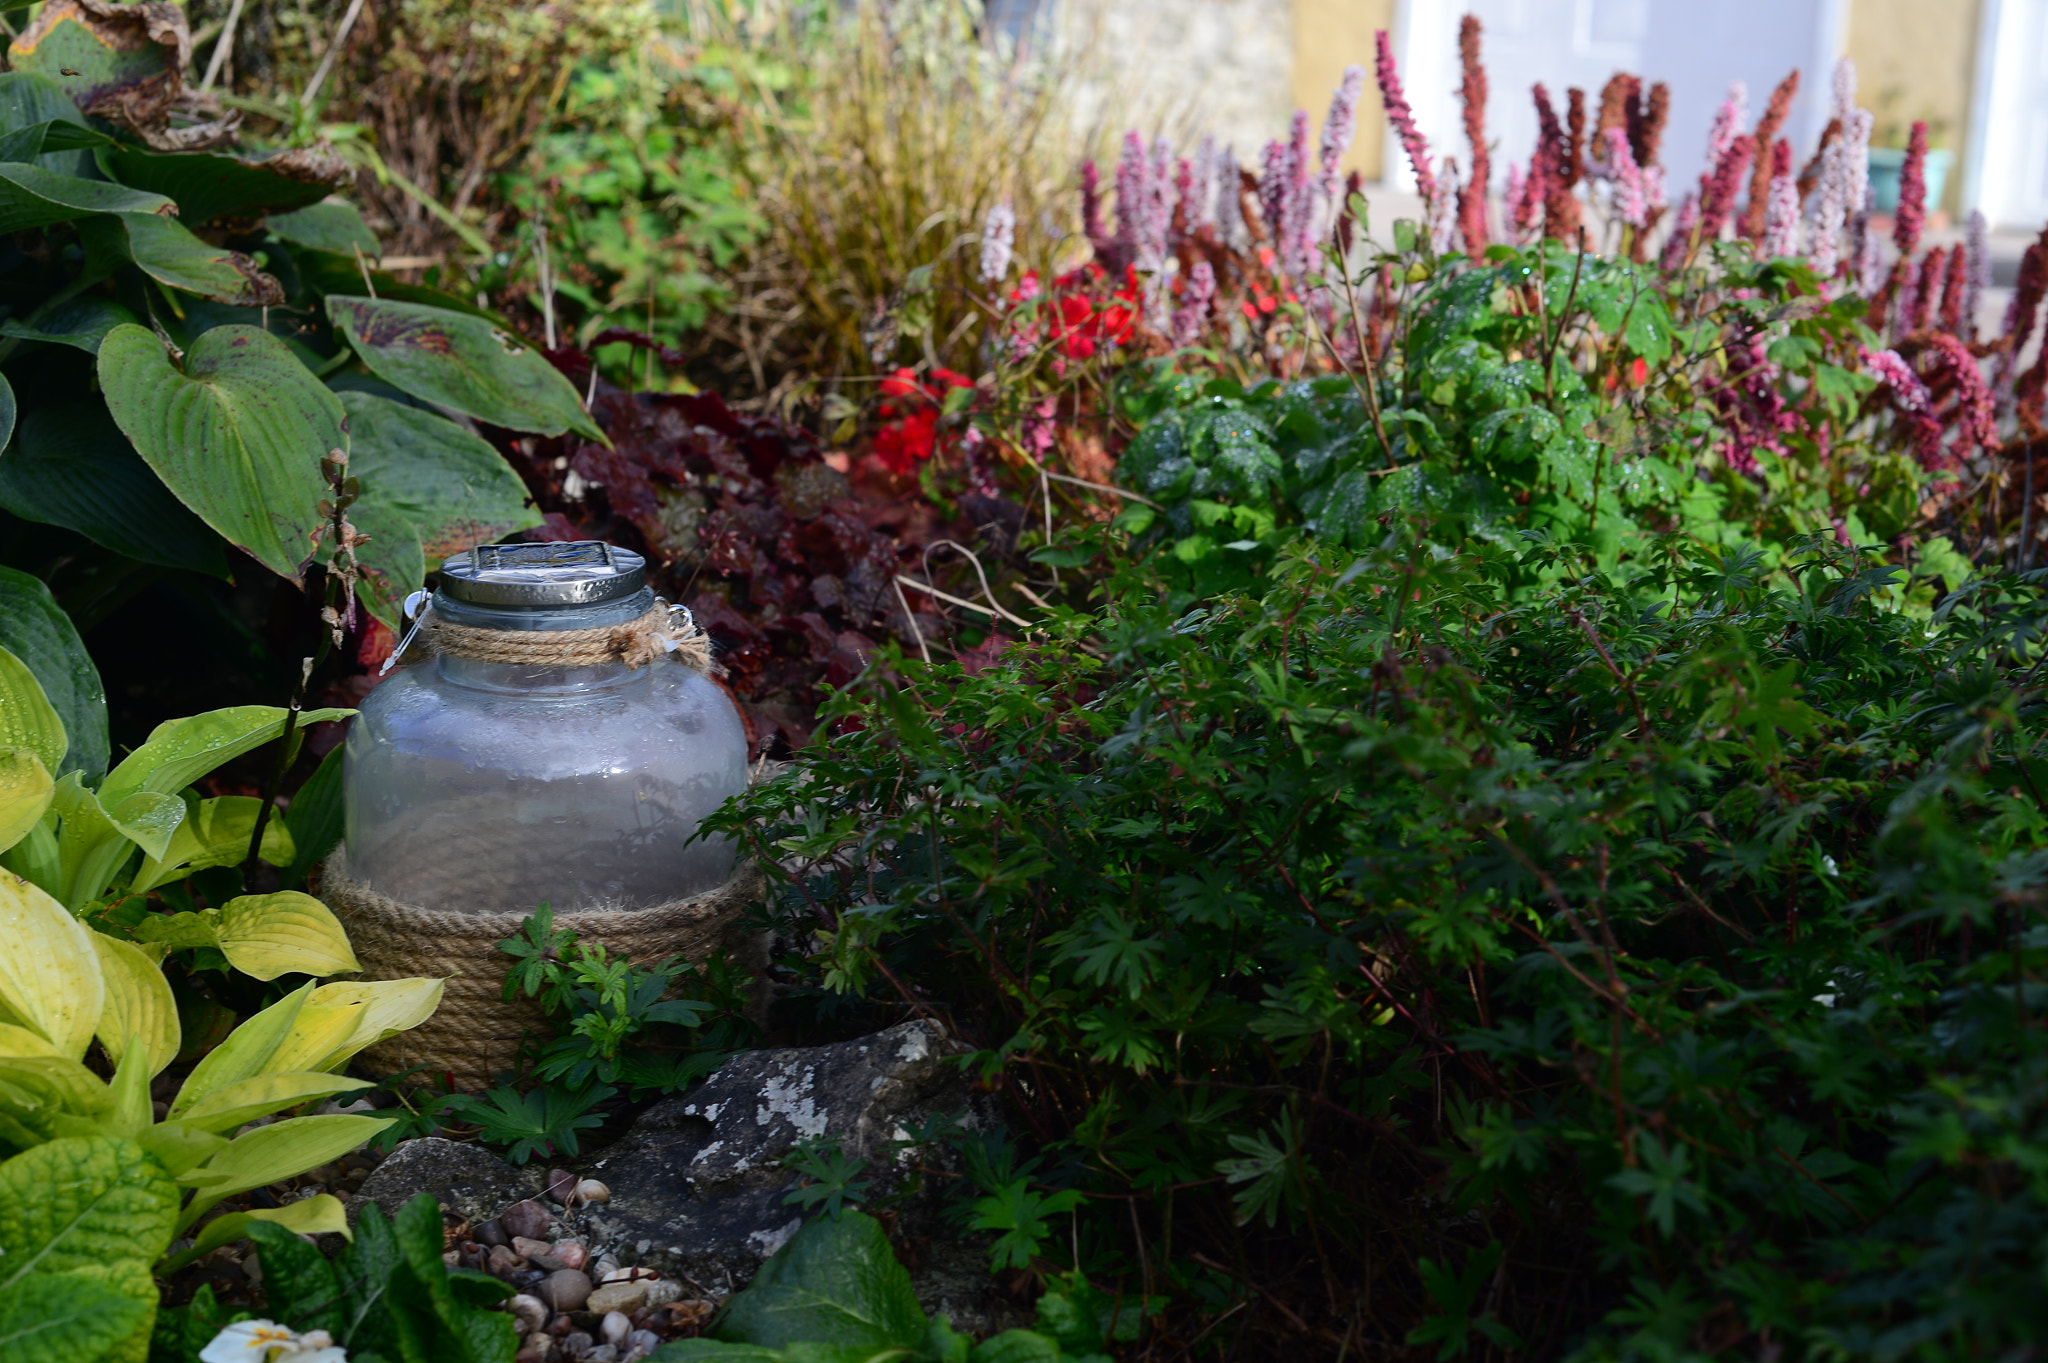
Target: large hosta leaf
[(267, 935), (81, 323), (33, 197), (49, 972), (180, 751), (70, 465), (393, 566), (117, 61), (461, 362), (27, 719), (25, 791), (139, 1006), (334, 227), (36, 630), (59, 1317), (210, 185), (27, 99), (215, 833), (167, 252), (450, 484), (237, 433)]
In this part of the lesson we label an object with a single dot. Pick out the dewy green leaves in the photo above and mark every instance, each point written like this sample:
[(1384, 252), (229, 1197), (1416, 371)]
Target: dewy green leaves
[(237, 431), (463, 363)]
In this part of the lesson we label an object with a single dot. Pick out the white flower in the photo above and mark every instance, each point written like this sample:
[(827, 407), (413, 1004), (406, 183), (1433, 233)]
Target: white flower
[(262, 1341)]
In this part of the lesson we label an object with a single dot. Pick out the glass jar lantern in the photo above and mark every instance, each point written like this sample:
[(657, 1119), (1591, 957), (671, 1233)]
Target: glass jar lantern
[(472, 783)]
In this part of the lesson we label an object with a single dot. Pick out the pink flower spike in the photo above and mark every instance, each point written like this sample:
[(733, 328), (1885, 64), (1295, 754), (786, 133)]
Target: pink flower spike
[(1977, 248), (1912, 215), (1402, 118), (1781, 213), (1193, 314), (1629, 201), (998, 242), (1339, 127)]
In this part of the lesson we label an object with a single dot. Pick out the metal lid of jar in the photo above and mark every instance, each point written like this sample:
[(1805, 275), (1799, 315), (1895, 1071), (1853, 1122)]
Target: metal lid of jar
[(581, 573)]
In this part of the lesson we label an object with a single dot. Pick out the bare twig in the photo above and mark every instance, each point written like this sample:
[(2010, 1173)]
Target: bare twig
[(911, 616), (223, 47), (961, 601), (1099, 487), (348, 21)]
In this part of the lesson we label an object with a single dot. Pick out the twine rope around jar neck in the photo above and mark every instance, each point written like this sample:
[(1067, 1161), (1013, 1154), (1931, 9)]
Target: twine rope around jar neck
[(656, 635)]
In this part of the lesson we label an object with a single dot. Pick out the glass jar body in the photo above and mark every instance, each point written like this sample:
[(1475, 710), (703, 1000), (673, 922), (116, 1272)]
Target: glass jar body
[(490, 786)]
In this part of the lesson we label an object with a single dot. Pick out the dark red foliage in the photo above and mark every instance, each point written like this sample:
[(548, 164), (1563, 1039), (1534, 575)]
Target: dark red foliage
[(1766, 168), (1472, 93), (788, 560), (1552, 168), (1912, 215)]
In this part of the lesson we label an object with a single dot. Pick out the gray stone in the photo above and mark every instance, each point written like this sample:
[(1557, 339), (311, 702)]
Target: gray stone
[(698, 1182), (527, 1220), (565, 1290), (465, 1179), (617, 1298)]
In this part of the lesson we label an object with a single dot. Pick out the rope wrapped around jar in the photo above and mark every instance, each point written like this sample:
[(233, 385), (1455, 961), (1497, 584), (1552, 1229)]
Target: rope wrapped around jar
[(655, 635)]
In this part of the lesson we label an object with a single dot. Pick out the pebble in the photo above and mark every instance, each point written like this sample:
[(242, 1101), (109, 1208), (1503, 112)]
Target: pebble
[(565, 1290), (561, 1186), (576, 1344), (615, 1274), (530, 1312), (619, 1297), (661, 1292), (491, 1233), (526, 1248), (505, 1261), (643, 1341), (570, 1253), (536, 1349), (603, 1353), (603, 1268), (590, 1190), (528, 1218), (614, 1327)]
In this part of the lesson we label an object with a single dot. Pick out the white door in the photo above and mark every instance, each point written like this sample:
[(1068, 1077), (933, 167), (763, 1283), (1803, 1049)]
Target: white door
[(1697, 46), (2008, 177)]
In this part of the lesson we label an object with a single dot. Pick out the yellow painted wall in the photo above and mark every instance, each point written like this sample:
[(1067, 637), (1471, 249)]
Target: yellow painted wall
[(1916, 59), (1330, 35)]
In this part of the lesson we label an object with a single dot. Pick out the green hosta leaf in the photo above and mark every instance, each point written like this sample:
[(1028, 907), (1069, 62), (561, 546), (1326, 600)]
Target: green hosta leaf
[(115, 59), (268, 935), (315, 818), (834, 1283), (178, 1147), (238, 433), (332, 226), (461, 362), (38, 632), (51, 135), (243, 1055), (167, 252), (66, 1318), (27, 100), (33, 197), (93, 1206), (272, 1153), (81, 323), (214, 833), (341, 1019), (25, 789), (70, 465), (209, 185), (321, 1214), (179, 930), (240, 1103), (451, 485), (27, 719), (180, 751)]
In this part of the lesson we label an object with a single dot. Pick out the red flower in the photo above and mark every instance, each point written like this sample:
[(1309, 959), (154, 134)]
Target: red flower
[(905, 443), (900, 384)]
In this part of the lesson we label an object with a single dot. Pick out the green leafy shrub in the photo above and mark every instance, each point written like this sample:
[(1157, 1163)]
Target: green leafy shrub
[(1627, 960)]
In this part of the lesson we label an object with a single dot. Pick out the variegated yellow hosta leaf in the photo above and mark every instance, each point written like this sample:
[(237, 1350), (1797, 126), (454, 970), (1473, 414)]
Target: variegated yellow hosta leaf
[(27, 719), (49, 971), (215, 833), (321, 1214), (55, 1095), (267, 935), (20, 1041), (322, 1032), (381, 1009), (139, 1004), (225, 1109), (245, 1053), (25, 788), (179, 930), (271, 1154)]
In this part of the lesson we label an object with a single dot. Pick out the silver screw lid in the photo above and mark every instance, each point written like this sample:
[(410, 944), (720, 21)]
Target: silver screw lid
[(580, 573)]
